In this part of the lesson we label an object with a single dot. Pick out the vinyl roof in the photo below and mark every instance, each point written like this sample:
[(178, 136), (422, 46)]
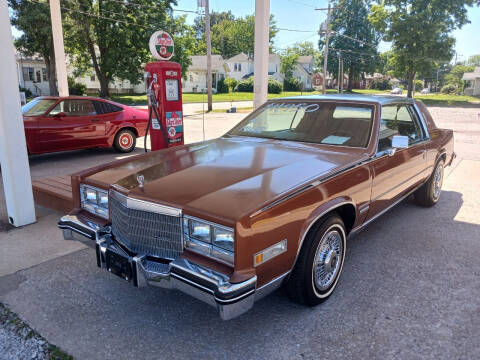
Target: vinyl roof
[(380, 99)]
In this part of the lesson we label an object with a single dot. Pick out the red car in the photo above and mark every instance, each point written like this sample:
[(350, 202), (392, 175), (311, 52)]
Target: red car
[(79, 122)]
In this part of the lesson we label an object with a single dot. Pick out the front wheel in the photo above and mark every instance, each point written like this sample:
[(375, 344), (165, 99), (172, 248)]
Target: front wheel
[(319, 264), (125, 141), (429, 193)]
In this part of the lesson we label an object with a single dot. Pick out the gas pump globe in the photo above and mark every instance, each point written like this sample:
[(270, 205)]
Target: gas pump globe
[(163, 81)]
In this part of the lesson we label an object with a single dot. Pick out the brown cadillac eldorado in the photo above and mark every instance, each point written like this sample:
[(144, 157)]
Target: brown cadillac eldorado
[(271, 202)]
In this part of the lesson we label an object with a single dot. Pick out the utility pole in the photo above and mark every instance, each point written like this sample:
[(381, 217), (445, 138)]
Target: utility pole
[(325, 56), (339, 54), (341, 76), (57, 34), (209, 55), (260, 66), (17, 183)]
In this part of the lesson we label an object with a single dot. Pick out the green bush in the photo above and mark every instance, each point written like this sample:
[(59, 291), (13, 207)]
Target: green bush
[(379, 84), (274, 86), (222, 87), (292, 84), (75, 88), (245, 85), (27, 92), (449, 89), (231, 83), (419, 85)]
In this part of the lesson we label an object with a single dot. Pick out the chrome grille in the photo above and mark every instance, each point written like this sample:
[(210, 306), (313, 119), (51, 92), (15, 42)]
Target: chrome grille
[(146, 232)]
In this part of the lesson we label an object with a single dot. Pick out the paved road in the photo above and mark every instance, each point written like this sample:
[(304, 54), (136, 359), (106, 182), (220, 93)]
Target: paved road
[(410, 288)]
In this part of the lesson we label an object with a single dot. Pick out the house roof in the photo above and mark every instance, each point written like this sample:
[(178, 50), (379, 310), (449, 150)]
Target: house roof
[(305, 59), (472, 75), (199, 62), (238, 58)]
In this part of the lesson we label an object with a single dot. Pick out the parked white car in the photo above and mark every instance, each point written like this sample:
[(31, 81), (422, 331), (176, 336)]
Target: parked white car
[(425, 91), (397, 91)]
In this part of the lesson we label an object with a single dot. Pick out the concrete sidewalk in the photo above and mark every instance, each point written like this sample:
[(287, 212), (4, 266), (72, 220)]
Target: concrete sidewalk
[(409, 289)]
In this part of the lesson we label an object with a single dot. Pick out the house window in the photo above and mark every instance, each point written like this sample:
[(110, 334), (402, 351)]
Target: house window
[(239, 66), (39, 76), (27, 73), (44, 74), (92, 78), (191, 77), (235, 68)]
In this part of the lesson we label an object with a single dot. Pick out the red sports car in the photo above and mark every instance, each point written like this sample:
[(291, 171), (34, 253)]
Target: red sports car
[(71, 123)]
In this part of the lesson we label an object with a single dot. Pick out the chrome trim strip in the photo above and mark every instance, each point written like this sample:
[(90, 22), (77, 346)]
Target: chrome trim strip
[(270, 287), (137, 204), (422, 120), (358, 228), (313, 222), (208, 222), (365, 208)]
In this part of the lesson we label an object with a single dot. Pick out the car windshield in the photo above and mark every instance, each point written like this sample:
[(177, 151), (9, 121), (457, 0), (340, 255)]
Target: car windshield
[(342, 124), (37, 107)]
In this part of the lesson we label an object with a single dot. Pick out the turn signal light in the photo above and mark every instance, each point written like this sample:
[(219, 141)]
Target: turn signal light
[(270, 252)]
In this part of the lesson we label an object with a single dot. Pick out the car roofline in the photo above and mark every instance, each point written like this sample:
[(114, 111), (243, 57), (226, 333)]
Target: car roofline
[(376, 99)]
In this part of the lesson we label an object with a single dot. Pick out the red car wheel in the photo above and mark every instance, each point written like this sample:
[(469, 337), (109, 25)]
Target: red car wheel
[(125, 141)]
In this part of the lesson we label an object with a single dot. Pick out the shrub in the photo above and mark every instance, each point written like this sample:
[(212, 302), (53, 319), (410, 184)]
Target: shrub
[(274, 86), (245, 85), (419, 85), (75, 88), (379, 84), (222, 87), (449, 89), (231, 83), (27, 92), (292, 84)]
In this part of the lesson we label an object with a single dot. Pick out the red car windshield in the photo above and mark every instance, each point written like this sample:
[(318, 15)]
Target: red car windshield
[(37, 107)]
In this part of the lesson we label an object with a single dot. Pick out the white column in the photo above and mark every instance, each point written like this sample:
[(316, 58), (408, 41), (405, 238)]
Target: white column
[(260, 67), (57, 32), (13, 151)]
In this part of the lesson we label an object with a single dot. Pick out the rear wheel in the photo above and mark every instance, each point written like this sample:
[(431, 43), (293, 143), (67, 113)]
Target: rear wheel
[(319, 264), (429, 193), (125, 141)]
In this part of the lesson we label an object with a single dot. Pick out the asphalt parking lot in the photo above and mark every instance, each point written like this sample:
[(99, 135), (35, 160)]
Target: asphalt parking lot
[(410, 288)]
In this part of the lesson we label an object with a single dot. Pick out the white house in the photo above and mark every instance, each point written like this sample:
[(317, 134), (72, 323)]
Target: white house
[(473, 79), (304, 71), (196, 80), (32, 74), (241, 66)]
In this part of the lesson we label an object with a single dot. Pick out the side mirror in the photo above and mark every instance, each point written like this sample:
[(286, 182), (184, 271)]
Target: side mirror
[(400, 142), (60, 115)]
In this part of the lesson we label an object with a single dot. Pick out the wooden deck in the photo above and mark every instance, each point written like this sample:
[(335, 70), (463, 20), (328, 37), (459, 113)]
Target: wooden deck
[(54, 193)]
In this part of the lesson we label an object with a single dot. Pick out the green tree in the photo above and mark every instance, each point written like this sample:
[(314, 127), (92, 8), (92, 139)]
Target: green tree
[(419, 31), (288, 63), (355, 37), (474, 60), (230, 35), (307, 48), (112, 37), (33, 19), (454, 77)]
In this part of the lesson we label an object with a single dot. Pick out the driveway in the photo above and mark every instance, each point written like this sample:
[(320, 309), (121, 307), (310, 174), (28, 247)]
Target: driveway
[(410, 287)]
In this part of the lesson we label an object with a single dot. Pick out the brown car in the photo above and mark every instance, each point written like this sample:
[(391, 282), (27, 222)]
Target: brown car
[(271, 202)]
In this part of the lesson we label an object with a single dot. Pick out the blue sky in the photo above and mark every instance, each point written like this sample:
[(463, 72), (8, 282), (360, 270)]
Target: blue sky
[(301, 15)]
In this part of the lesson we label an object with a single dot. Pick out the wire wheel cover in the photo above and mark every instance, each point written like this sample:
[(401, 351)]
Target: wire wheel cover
[(328, 259)]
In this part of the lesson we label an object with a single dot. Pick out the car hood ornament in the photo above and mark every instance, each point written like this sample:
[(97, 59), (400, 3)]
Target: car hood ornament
[(140, 180)]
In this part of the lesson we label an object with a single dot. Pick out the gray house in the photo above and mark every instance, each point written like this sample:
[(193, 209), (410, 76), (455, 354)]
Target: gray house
[(473, 80)]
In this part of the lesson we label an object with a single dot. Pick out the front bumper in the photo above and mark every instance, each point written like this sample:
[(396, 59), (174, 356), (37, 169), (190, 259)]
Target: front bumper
[(207, 285)]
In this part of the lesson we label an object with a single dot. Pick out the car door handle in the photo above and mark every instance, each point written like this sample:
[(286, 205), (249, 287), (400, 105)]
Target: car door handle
[(95, 120)]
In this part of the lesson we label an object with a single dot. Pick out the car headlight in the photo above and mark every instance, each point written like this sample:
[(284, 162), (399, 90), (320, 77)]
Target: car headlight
[(94, 200), (213, 240)]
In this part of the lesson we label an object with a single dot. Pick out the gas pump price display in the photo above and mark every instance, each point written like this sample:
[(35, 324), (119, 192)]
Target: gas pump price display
[(171, 89)]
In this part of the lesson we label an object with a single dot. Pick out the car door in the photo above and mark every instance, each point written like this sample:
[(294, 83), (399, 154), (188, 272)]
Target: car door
[(110, 116), (71, 124), (394, 175)]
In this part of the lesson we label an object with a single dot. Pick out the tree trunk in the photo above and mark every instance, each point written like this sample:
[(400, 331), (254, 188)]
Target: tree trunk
[(350, 78), (51, 71), (102, 78), (411, 76), (104, 92)]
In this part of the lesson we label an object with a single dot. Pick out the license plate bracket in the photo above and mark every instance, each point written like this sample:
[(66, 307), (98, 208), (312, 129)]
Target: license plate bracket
[(118, 265)]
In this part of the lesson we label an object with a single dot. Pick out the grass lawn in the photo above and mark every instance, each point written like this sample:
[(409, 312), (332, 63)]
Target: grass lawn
[(430, 99)]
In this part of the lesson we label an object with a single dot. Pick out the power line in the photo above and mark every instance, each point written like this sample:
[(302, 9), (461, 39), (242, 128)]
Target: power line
[(132, 3), (351, 38), (296, 30)]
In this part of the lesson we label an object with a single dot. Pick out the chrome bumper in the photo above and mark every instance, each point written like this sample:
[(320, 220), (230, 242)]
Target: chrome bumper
[(203, 283)]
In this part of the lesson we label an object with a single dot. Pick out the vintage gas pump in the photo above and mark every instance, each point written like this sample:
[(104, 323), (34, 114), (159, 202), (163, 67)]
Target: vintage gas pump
[(163, 80)]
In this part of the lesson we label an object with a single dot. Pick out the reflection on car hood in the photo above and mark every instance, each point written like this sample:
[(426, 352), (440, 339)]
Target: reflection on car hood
[(226, 177)]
